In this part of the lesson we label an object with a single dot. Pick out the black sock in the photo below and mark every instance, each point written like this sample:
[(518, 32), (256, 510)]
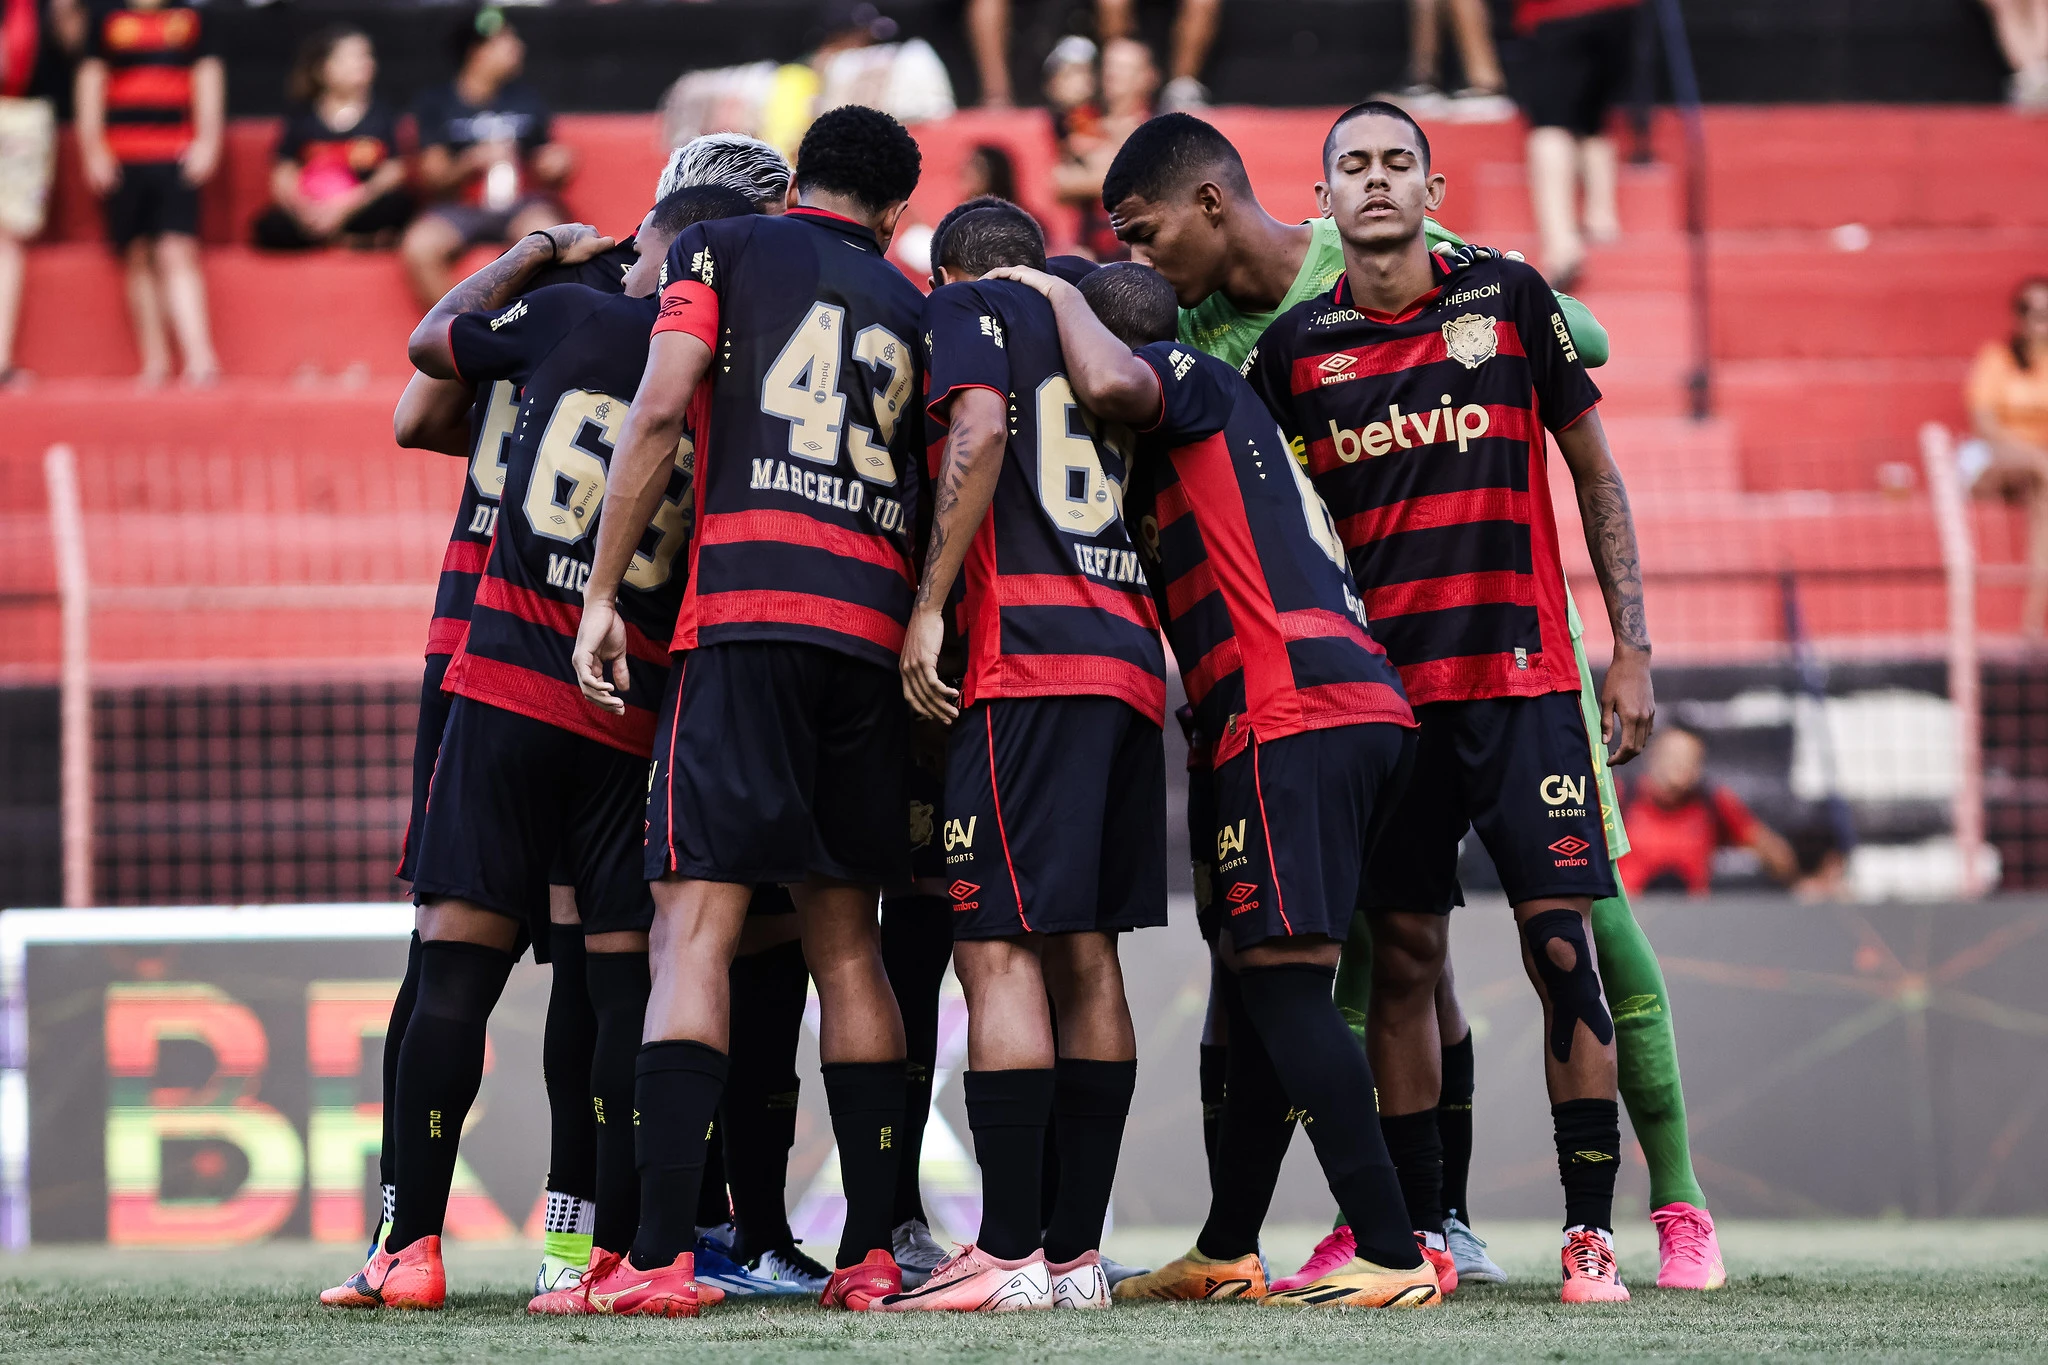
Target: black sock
[(1588, 1158), (618, 993), (714, 1206), (1210, 1071), (440, 1068), (758, 1118), (565, 1052), (394, 1038), (866, 1100), (676, 1088), (1454, 1126), (917, 943), (1007, 1111), (1418, 1156), (1090, 1101), (1252, 1135), (1326, 1075)]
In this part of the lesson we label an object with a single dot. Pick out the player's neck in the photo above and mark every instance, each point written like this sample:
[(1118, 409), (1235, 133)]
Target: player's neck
[(843, 206), (1266, 257), (1388, 279)]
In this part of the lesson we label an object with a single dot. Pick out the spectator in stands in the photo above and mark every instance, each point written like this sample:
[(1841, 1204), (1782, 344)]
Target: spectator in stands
[(1482, 98), (1194, 33), (2008, 459), (337, 174), (147, 146), (1090, 140), (1677, 819), (988, 170), (1577, 59), (2023, 36), (28, 149), (487, 163)]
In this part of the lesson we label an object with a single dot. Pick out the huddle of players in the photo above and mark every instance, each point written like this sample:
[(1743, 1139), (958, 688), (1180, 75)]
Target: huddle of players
[(823, 558)]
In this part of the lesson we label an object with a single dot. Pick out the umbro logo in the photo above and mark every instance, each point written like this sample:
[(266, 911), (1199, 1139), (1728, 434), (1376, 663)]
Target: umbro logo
[(1337, 368), (1571, 846), (1240, 896)]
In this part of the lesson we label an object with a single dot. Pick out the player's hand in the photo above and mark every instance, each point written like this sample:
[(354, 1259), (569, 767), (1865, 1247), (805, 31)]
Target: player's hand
[(1045, 284), (576, 243), (102, 171), (1459, 255), (926, 692), (600, 657), (199, 161), (1628, 705)]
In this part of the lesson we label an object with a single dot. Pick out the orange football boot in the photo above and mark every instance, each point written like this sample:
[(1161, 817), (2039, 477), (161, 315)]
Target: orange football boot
[(412, 1277), (857, 1287)]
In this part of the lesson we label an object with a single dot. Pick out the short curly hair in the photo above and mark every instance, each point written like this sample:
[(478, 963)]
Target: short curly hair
[(861, 153)]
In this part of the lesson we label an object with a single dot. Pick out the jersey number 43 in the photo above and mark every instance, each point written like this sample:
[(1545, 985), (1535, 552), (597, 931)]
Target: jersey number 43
[(803, 388)]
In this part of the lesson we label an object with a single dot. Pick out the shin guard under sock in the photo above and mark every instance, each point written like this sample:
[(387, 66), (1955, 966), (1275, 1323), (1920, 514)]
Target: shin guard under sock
[(1454, 1126), (1090, 1102), (1326, 1075), (394, 1038), (1646, 1052), (1588, 1158), (917, 943), (1211, 1068), (1007, 1113), (1418, 1155), (566, 1048), (676, 1088), (440, 1068), (1251, 1137), (618, 994), (758, 1118), (866, 1100)]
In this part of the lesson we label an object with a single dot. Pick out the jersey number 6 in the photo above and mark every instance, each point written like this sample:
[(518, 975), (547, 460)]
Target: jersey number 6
[(567, 489)]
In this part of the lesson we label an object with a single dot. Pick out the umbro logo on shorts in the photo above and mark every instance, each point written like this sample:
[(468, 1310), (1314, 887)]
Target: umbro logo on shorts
[(1568, 850), (1240, 897), (960, 891)]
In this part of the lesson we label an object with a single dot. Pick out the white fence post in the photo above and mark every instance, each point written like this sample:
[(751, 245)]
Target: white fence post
[(67, 537)]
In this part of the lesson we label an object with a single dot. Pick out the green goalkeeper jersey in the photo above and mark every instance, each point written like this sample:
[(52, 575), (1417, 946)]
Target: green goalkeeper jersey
[(1218, 326)]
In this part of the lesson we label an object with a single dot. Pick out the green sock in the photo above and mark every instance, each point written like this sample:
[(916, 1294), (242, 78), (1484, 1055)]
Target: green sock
[(571, 1249), (1646, 1049), (1353, 991)]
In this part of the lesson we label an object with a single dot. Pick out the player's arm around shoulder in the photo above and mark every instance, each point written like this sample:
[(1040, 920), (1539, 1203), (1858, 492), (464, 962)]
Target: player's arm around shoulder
[(494, 288), (1108, 378)]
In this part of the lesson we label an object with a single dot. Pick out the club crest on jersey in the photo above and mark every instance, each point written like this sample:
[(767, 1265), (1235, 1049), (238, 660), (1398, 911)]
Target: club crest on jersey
[(1471, 340)]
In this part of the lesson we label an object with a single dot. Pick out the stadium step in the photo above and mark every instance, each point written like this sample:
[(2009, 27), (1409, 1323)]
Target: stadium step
[(1649, 199)]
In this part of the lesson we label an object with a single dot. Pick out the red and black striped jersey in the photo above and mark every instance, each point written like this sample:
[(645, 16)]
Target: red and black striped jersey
[(577, 355), (807, 471), (1054, 602), (491, 420), (1244, 559), (149, 54), (1424, 434)]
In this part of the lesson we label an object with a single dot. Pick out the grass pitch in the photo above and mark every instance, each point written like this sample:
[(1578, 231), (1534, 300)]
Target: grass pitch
[(1797, 1291)]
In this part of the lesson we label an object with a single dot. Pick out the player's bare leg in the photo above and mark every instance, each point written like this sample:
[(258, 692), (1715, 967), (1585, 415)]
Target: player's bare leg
[(1579, 1069), (1409, 954), (428, 251), (184, 286), (146, 311)]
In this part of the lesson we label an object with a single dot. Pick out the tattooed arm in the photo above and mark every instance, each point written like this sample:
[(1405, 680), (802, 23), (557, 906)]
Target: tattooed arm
[(496, 285), (1628, 706), (979, 429)]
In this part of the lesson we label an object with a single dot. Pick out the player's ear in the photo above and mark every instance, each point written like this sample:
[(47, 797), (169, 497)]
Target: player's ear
[(1322, 199), (1209, 199), (1437, 186), (885, 225), (793, 198)]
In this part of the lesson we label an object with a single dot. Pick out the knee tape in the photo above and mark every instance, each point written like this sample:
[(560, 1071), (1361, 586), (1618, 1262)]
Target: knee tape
[(1574, 992)]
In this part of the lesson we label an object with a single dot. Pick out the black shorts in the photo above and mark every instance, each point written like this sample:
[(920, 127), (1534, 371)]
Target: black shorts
[(151, 200), (1202, 848), (1574, 71), (924, 781), (508, 795), (1295, 821), (1519, 771), (1055, 818), (777, 761)]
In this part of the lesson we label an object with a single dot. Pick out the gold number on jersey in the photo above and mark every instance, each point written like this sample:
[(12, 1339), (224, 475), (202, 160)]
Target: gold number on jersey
[(487, 461), (1322, 527), (802, 386), (880, 349), (567, 488), (1075, 490), (670, 528)]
